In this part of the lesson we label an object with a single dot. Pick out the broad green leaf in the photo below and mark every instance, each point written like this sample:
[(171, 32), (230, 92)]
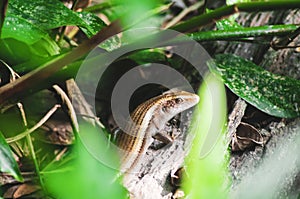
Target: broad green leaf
[(207, 162), (46, 15), (84, 176), (7, 162), (26, 30), (31, 20), (15, 52), (273, 94), (94, 23), (19, 28)]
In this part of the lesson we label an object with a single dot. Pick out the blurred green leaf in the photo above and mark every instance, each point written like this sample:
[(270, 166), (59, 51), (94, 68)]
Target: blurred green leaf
[(85, 176), (273, 94), (136, 12), (99, 7), (8, 163), (207, 161)]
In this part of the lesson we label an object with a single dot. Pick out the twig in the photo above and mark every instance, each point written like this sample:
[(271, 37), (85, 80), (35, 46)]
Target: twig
[(235, 118), (23, 115), (39, 124), (33, 155), (65, 99), (183, 13), (284, 42)]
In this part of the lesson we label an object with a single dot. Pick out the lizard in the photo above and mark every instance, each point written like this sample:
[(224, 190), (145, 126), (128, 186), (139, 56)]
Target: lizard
[(148, 119)]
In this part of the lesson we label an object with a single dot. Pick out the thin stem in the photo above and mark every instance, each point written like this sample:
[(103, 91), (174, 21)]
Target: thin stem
[(33, 155), (66, 100), (224, 11), (273, 30), (39, 124), (182, 14)]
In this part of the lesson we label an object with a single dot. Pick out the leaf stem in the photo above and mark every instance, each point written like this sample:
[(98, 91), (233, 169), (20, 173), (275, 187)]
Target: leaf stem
[(273, 30), (224, 11)]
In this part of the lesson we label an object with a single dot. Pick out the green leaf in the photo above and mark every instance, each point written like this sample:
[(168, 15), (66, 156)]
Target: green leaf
[(273, 94), (15, 52), (7, 162), (30, 20), (46, 15), (94, 23), (228, 24), (21, 29), (85, 176), (136, 13), (26, 29), (207, 162), (148, 56)]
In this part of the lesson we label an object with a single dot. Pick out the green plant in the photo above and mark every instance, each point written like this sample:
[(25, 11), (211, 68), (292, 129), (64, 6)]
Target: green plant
[(35, 45)]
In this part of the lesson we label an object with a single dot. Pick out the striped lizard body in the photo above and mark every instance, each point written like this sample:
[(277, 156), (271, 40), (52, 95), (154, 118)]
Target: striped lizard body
[(148, 119)]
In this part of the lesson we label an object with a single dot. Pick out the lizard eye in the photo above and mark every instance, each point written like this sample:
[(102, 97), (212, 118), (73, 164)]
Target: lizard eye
[(164, 109), (178, 100)]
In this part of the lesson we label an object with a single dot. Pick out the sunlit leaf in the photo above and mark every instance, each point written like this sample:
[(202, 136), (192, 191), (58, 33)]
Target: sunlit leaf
[(29, 20), (207, 160), (7, 162), (273, 94)]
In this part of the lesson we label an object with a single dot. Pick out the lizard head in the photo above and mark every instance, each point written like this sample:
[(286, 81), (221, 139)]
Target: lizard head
[(173, 103)]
